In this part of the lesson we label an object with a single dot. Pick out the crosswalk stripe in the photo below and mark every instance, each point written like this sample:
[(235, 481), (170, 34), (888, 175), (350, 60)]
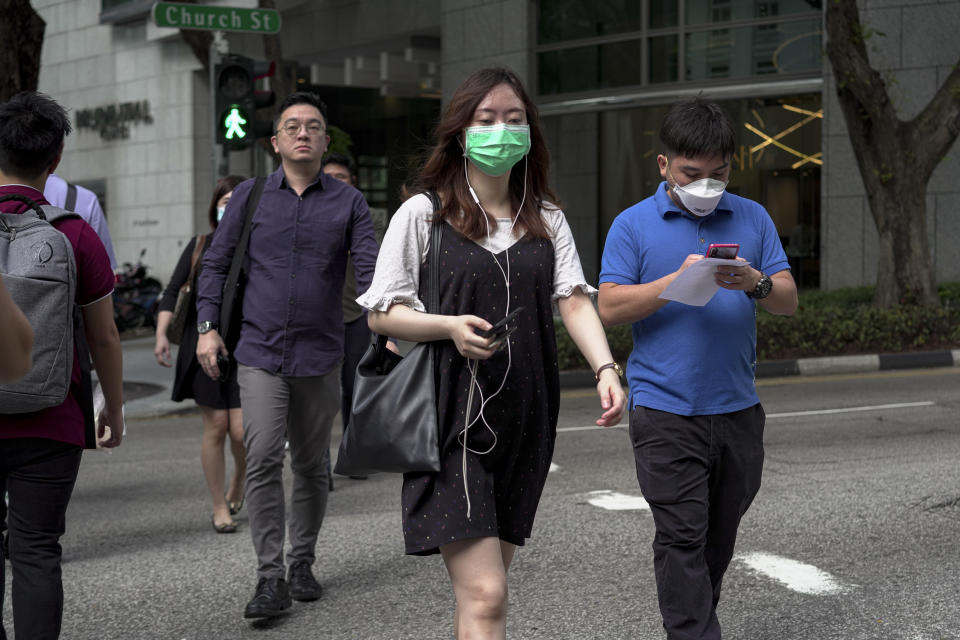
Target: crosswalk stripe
[(614, 501), (794, 575)]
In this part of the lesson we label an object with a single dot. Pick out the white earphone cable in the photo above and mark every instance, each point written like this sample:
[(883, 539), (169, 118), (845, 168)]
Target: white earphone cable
[(473, 364)]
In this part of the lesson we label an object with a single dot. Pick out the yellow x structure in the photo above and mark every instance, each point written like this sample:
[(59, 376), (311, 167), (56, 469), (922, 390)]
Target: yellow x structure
[(816, 158)]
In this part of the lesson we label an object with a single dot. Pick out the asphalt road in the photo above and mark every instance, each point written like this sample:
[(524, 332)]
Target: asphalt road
[(853, 535)]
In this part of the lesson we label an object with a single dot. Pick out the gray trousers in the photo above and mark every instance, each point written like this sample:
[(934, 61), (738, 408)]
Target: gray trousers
[(302, 409)]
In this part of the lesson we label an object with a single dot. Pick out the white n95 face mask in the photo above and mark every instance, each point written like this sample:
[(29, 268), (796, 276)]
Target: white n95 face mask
[(701, 197)]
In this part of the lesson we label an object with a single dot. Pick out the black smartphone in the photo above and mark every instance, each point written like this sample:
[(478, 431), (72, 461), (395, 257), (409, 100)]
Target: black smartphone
[(501, 329), (223, 364)]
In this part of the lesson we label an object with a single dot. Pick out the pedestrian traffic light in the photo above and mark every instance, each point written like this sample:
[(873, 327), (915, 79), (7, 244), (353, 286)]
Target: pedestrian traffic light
[(237, 101)]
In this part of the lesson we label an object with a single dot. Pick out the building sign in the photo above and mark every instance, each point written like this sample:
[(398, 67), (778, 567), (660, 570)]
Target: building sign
[(113, 121), (215, 18)]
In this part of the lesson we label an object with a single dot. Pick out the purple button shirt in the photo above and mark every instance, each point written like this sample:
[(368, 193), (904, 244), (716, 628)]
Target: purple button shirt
[(292, 305)]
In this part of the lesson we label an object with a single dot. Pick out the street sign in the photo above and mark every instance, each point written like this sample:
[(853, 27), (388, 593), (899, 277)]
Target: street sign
[(181, 15)]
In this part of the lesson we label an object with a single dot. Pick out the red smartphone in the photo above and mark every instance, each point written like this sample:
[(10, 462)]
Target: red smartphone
[(728, 251)]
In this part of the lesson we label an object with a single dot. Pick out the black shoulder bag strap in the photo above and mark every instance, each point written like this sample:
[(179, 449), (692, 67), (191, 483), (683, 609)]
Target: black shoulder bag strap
[(232, 288), (432, 303), (436, 231), (71, 200)]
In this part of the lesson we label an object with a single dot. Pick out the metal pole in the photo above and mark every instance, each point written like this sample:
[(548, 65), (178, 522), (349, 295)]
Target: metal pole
[(213, 58), (218, 47)]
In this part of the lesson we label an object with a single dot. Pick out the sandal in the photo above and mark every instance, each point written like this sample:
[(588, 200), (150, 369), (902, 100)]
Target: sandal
[(227, 527), (234, 507)]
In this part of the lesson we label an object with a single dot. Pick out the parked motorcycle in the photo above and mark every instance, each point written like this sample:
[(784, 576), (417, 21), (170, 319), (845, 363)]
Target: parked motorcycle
[(135, 296)]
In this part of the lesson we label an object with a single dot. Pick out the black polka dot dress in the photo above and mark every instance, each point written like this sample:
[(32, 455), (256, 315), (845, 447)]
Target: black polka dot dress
[(505, 483)]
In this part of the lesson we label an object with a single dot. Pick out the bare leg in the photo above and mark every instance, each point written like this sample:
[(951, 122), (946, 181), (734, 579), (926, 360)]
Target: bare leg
[(478, 572), (506, 551), (215, 423), (235, 492)]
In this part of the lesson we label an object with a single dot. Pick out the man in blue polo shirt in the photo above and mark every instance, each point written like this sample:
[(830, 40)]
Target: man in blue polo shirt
[(696, 423)]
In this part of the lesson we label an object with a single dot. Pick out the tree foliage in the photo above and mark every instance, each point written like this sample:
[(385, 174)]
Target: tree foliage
[(896, 158), (21, 35)]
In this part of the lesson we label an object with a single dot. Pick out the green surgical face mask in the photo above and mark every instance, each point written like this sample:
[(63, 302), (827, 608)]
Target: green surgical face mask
[(496, 148)]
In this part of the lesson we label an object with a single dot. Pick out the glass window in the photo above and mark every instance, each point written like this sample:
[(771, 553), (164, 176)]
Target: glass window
[(789, 47), (585, 68), (710, 11), (662, 14), (574, 19), (663, 59)]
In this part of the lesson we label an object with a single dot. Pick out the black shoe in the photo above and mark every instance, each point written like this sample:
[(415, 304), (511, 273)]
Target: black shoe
[(303, 586), (270, 600)]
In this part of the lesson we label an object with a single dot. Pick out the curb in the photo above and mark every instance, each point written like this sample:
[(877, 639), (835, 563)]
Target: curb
[(816, 366)]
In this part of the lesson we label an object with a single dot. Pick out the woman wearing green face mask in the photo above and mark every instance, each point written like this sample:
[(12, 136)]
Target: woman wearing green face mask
[(505, 249)]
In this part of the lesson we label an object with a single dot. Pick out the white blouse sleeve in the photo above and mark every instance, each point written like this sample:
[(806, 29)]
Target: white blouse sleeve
[(396, 279), (567, 270)]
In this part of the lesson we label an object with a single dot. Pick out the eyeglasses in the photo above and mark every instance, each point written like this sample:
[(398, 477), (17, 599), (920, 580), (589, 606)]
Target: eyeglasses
[(292, 128)]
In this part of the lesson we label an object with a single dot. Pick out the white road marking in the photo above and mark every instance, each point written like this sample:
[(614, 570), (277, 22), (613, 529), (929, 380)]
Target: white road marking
[(794, 575), (592, 427), (876, 407), (790, 414), (554, 467), (614, 501)]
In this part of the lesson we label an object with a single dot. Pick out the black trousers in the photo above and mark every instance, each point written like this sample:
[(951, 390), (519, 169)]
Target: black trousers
[(39, 475), (699, 475)]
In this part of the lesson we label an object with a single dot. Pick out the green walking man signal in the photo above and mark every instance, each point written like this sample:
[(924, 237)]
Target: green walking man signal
[(234, 122)]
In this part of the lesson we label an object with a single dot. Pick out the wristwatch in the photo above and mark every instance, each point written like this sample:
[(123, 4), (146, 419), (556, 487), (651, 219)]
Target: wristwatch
[(609, 365), (206, 326), (762, 290)]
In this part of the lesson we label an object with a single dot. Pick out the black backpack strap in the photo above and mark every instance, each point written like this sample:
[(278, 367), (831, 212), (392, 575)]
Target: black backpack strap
[(71, 202), (233, 284)]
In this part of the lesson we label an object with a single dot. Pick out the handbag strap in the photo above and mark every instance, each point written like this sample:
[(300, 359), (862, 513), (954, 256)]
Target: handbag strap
[(433, 286), (195, 261), (436, 232), (239, 255)]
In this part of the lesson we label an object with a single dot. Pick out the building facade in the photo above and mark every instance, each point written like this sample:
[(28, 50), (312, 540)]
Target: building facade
[(603, 73)]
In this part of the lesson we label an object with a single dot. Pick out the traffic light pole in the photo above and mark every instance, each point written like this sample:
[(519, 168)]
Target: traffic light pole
[(218, 154)]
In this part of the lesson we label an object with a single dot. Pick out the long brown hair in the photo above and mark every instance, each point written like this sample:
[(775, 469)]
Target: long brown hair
[(224, 186), (443, 171)]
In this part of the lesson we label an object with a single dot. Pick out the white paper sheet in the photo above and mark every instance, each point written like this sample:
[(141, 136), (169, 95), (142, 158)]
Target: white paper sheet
[(695, 285)]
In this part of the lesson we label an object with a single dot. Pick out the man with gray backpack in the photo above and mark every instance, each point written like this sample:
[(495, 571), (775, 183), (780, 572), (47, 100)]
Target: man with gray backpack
[(58, 273)]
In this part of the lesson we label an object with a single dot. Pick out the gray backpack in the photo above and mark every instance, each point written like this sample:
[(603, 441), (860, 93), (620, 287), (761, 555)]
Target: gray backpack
[(40, 271)]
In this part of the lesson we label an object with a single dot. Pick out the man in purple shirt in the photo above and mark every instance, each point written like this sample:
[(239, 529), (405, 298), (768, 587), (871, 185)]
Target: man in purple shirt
[(291, 339)]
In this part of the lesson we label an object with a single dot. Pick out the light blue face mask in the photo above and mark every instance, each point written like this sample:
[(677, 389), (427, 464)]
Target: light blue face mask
[(496, 148), (220, 212)]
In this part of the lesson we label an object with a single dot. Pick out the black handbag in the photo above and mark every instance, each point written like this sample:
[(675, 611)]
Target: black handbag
[(393, 421), (186, 296)]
